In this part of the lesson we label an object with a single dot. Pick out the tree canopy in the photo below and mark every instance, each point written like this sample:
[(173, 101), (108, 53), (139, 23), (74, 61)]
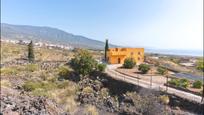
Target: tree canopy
[(83, 63)]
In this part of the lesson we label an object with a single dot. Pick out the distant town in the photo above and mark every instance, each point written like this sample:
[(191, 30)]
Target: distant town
[(39, 44)]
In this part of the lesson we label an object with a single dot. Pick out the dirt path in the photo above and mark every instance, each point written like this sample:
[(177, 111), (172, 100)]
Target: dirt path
[(111, 70)]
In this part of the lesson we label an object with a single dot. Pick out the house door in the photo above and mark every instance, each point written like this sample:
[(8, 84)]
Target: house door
[(119, 60)]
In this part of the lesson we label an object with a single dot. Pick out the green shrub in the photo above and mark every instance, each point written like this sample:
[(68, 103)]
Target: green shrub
[(174, 82), (83, 62), (162, 70), (197, 84), (63, 71), (101, 67), (200, 65), (184, 83), (144, 68), (129, 63)]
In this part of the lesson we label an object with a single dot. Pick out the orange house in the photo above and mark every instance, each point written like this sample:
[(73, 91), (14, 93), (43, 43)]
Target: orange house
[(118, 55)]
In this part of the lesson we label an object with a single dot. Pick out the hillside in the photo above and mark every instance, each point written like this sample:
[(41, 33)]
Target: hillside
[(48, 34), (51, 86)]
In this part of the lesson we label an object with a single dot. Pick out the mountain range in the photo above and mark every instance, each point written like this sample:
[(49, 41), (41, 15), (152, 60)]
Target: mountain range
[(50, 35)]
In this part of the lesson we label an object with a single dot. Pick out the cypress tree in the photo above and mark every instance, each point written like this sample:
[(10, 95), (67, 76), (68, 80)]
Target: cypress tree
[(30, 52), (106, 49)]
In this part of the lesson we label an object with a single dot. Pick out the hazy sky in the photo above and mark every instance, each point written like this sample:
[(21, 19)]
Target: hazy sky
[(173, 24)]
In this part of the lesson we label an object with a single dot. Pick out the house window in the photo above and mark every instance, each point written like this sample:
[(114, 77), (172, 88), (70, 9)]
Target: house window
[(132, 53), (123, 49), (116, 49), (138, 53), (138, 59)]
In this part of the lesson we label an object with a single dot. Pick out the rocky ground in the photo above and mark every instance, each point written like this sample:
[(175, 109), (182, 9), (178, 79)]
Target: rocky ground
[(109, 96), (52, 88)]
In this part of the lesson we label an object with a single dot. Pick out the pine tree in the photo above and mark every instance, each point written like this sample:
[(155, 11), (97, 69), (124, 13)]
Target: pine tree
[(30, 52), (106, 49)]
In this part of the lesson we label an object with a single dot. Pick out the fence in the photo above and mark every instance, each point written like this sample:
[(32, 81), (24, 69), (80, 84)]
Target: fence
[(148, 84)]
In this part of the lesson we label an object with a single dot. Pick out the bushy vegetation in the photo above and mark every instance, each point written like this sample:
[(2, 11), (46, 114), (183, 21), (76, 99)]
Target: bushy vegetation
[(129, 63), (63, 71), (174, 82), (144, 68), (83, 63), (200, 65), (108, 94), (197, 84), (184, 83), (162, 70), (101, 67)]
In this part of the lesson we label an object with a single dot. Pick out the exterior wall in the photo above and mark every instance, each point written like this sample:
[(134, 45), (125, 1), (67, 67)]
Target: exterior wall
[(118, 55)]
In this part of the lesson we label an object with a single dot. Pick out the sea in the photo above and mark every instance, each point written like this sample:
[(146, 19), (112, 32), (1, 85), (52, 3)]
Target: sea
[(198, 53)]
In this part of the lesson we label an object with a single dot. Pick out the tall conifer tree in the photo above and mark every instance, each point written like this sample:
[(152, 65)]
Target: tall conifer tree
[(106, 49), (31, 56)]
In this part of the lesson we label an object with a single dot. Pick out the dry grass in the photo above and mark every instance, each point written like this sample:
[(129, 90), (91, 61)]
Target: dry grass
[(71, 104), (44, 82), (11, 51), (5, 83), (164, 99), (65, 95), (88, 90), (104, 92), (8, 71), (91, 110), (17, 70)]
